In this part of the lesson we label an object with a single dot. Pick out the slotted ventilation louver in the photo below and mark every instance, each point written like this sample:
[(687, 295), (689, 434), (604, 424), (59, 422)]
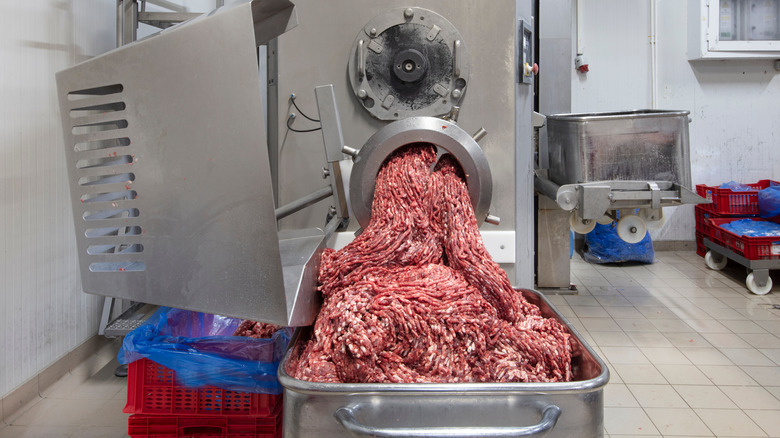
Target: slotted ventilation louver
[(104, 158), (168, 171)]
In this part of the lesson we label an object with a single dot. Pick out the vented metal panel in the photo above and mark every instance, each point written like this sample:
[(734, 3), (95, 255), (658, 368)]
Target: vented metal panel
[(104, 156), (169, 170)]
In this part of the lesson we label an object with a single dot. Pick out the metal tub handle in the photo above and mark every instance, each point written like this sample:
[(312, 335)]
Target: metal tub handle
[(346, 416)]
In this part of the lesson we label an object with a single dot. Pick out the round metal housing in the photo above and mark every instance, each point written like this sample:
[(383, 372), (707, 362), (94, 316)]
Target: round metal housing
[(445, 135), (408, 62)]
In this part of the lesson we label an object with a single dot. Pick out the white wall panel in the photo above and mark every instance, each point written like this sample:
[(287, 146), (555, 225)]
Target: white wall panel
[(735, 128), (614, 40), (43, 312)]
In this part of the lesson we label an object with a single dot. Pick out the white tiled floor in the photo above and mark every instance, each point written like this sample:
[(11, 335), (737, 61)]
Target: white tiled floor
[(76, 407), (691, 353), (690, 350)]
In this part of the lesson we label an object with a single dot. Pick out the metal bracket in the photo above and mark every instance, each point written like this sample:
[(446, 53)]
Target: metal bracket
[(593, 200), (133, 315), (339, 165), (538, 120), (655, 195), (361, 63)]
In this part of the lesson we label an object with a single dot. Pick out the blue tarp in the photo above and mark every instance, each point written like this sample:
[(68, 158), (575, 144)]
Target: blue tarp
[(200, 348), (736, 187), (769, 202), (751, 228), (603, 245)]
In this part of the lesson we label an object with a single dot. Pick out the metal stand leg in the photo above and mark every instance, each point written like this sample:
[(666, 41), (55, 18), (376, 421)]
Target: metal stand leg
[(108, 304), (121, 371)]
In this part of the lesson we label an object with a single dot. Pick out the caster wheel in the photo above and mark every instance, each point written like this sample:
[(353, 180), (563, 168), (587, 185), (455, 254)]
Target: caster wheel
[(631, 228), (715, 261), (580, 225), (755, 288)]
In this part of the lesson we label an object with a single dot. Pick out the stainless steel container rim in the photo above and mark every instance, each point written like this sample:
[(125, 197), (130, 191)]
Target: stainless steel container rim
[(617, 115), (450, 388), (577, 386)]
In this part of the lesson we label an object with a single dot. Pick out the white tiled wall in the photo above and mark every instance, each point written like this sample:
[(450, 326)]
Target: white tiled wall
[(733, 104), (43, 312)]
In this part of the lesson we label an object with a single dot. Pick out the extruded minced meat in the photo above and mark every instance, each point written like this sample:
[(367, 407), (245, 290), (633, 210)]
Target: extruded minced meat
[(257, 330), (416, 297)]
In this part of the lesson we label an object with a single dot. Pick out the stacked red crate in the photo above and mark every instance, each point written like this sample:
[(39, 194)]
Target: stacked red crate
[(731, 203), (726, 203), (163, 408), (701, 215), (750, 247)]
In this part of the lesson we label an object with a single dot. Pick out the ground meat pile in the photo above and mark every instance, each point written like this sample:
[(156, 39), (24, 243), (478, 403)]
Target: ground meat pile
[(417, 298), (257, 330)]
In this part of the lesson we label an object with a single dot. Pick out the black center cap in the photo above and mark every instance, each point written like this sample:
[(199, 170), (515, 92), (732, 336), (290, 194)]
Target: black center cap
[(410, 66)]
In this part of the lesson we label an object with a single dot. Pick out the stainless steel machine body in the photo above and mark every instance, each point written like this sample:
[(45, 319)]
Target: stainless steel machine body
[(326, 48), (176, 201), (556, 20), (566, 409), (163, 190)]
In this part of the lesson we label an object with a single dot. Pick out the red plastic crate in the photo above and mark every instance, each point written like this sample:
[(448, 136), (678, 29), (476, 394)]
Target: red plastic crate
[(702, 226), (752, 248), (729, 202), (152, 389), (175, 426), (701, 215), (700, 248)]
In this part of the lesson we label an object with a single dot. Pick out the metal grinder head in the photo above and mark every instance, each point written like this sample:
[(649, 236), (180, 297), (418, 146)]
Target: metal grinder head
[(446, 136)]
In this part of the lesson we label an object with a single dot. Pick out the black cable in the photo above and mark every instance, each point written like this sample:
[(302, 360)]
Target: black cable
[(289, 126), (292, 99)]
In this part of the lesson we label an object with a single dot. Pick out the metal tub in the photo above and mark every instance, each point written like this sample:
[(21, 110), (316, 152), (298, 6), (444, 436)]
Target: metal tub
[(639, 145), (567, 409)]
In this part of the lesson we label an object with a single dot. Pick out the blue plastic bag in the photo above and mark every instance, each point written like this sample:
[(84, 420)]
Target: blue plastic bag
[(603, 245), (751, 228), (200, 348), (769, 202), (735, 186)]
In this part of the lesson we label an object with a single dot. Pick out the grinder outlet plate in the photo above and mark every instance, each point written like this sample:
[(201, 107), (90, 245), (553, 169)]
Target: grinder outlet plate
[(408, 62)]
